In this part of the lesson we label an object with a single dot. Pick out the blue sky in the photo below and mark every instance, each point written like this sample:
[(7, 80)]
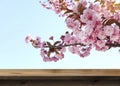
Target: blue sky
[(19, 18)]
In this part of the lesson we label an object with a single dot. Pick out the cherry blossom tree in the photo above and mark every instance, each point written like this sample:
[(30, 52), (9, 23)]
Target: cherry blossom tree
[(92, 24)]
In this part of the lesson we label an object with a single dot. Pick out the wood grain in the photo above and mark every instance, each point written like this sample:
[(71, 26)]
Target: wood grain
[(60, 72), (60, 77)]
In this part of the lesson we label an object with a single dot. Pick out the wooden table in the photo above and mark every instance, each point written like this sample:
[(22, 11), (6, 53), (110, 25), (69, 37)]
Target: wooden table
[(81, 77)]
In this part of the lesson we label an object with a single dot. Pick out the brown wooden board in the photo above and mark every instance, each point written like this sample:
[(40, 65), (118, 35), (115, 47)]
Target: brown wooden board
[(60, 77), (60, 72)]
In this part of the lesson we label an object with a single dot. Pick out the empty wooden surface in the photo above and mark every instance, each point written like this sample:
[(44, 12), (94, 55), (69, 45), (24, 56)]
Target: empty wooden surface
[(55, 77), (60, 72)]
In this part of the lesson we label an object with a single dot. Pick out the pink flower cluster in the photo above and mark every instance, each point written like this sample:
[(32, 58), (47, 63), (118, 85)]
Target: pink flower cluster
[(92, 25), (45, 51), (56, 5), (89, 29)]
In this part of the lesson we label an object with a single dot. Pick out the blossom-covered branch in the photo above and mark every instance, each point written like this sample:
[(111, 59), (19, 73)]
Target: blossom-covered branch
[(92, 24)]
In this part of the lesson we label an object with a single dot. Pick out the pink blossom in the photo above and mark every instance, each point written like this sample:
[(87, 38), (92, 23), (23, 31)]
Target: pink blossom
[(63, 50), (56, 6), (82, 36), (101, 34), (67, 38), (116, 34), (73, 49), (75, 8), (100, 45), (109, 30), (116, 30), (42, 45), (95, 6), (51, 38), (90, 24), (36, 43), (84, 54), (73, 40), (89, 27), (45, 5), (114, 38), (76, 31), (87, 15), (84, 3), (28, 38), (38, 39), (72, 23), (47, 59), (83, 18), (106, 13), (43, 53), (117, 16), (85, 51), (119, 40), (59, 56), (89, 40), (55, 59)]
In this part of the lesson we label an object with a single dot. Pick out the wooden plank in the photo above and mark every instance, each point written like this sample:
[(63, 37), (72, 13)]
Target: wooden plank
[(60, 77), (60, 83), (71, 82), (60, 72)]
